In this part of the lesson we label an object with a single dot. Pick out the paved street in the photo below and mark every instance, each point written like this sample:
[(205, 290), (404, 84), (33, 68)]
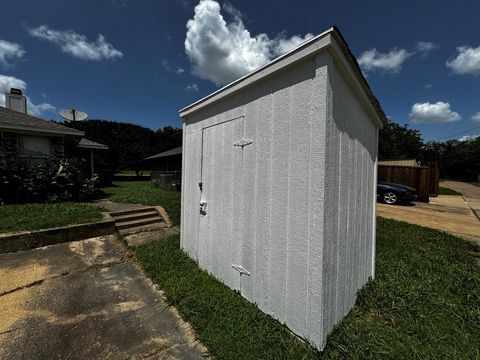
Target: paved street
[(86, 300)]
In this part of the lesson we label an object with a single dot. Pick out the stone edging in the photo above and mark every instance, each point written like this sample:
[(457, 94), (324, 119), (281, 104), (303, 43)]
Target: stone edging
[(25, 240)]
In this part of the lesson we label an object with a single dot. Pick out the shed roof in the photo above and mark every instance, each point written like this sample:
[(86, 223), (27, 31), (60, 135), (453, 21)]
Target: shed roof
[(85, 143), (171, 152), (16, 121), (331, 38)]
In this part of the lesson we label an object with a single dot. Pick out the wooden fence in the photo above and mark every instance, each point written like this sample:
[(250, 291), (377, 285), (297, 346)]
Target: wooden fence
[(423, 178)]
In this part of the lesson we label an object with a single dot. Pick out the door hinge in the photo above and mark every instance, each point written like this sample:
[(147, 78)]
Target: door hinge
[(243, 142), (241, 269)]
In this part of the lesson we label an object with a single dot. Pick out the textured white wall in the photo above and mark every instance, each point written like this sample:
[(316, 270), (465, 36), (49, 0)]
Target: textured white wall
[(351, 147), (294, 208)]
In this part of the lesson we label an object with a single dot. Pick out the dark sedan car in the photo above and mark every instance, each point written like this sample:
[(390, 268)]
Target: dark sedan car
[(393, 193)]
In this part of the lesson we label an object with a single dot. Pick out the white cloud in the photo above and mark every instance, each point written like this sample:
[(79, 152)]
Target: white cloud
[(476, 117), (424, 47), (8, 82), (466, 62), (428, 86), (391, 62), (192, 87), (8, 51), (166, 65), (77, 45), (468, 137), (221, 51), (438, 112)]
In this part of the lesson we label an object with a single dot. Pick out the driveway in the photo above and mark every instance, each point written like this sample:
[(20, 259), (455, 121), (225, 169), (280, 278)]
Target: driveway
[(86, 300), (450, 213), (470, 193)]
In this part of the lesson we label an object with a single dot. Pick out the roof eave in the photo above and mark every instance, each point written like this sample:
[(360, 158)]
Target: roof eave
[(93, 147), (33, 129)]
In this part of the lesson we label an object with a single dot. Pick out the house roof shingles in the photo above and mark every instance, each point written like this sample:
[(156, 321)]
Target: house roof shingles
[(17, 121)]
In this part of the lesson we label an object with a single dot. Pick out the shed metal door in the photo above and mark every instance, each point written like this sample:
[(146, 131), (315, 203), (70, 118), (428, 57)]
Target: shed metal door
[(221, 195)]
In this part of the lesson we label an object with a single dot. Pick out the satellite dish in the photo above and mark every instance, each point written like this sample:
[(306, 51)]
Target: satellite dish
[(72, 114)]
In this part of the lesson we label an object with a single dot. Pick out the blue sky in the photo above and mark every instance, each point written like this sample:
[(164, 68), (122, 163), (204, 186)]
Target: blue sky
[(141, 61)]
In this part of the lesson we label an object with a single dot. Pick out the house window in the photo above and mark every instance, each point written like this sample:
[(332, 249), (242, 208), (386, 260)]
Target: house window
[(33, 145)]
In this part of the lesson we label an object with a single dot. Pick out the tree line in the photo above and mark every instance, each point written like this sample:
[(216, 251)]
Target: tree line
[(129, 144), (456, 159)]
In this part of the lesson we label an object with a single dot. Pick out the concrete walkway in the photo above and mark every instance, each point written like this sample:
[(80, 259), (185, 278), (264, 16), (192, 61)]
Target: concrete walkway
[(450, 213), (470, 193), (86, 300)]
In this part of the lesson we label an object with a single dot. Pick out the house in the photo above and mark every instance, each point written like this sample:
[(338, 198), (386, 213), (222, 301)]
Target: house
[(279, 185), (28, 140), (166, 167)]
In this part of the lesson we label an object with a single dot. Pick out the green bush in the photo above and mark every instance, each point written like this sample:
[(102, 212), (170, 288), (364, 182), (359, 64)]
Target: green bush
[(54, 181)]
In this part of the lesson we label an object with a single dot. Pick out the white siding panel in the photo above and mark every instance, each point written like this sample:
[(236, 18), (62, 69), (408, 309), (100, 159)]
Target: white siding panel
[(263, 186), (279, 194), (249, 196), (298, 197), (314, 314)]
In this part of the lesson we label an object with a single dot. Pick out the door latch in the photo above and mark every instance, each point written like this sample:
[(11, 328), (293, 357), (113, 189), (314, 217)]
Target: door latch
[(242, 143), (203, 207)]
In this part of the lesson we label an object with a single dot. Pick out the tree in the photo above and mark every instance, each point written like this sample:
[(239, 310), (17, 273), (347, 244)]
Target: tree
[(397, 142), (457, 159), (128, 144)]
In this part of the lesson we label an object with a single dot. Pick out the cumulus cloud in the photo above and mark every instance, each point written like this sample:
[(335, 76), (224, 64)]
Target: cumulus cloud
[(476, 117), (391, 62), (8, 82), (438, 112), (466, 62), (180, 71), (9, 51), (192, 87), (223, 51), (425, 47), (77, 45)]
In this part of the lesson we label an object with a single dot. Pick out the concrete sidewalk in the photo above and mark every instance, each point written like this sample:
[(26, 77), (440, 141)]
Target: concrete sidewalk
[(450, 213), (470, 193), (86, 300)]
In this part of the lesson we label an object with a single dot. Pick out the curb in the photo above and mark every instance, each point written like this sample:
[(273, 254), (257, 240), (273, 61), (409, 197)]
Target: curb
[(164, 215), (26, 240)]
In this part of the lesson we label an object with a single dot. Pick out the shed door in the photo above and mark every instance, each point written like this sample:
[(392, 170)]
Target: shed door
[(221, 189)]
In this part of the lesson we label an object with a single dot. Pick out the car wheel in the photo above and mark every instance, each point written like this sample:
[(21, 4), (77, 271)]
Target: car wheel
[(390, 198)]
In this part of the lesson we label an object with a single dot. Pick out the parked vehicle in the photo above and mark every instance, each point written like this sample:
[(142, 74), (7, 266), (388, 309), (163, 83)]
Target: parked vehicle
[(394, 193)]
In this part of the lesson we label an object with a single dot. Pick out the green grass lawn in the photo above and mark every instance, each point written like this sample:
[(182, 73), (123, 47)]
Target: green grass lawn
[(142, 192), (476, 183), (43, 216), (447, 191), (423, 304)]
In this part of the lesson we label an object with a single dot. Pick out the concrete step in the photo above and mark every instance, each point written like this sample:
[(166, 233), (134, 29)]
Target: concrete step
[(132, 211), (136, 216), (143, 228), (140, 222)]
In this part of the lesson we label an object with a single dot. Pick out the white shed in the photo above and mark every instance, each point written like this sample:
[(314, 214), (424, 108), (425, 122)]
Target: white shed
[(279, 185)]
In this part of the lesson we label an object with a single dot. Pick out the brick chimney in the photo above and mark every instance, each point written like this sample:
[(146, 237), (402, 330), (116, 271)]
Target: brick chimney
[(15, 100)]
